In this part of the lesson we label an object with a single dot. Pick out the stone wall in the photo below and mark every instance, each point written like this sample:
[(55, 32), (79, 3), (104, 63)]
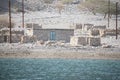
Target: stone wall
[(87, 27), (94, 41), (111, 32), (15, 38), (91, 41), (78, 26), (102, 33), (94, 32), (33, 25), (60, 34), (1, 39), (77, 40), (28, 39), (99, 27), (82, 41)]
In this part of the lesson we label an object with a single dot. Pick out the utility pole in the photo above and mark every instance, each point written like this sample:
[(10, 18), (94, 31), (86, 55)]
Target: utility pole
[(116, 20), (108, 13), (10, 20), (23, 13)]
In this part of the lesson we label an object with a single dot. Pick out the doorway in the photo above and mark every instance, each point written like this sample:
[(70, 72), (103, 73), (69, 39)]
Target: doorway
[(52, 36), (5, 38)]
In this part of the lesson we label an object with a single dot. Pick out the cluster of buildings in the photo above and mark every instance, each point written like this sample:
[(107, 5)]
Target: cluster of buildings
[(81, 34), (87, 34), (34, 32)]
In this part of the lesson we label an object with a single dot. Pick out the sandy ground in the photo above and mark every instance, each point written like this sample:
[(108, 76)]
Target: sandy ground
[(37, 51), (59, 55)]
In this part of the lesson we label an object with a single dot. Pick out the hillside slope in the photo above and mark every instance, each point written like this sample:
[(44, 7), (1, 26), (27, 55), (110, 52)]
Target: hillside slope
[(4, 5), (17, 4)]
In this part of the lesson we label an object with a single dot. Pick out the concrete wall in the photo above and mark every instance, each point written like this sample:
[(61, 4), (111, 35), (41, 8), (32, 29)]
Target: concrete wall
[(61, 34)]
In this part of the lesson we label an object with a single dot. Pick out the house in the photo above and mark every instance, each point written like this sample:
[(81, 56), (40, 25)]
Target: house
[(15, 32), (53, 34), (85, 40), (86, 36)]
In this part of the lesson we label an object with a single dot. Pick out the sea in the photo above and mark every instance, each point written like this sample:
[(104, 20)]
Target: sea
[(59, 69)]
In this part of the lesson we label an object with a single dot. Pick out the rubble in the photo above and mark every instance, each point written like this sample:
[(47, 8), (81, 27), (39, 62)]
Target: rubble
[(107, 46)]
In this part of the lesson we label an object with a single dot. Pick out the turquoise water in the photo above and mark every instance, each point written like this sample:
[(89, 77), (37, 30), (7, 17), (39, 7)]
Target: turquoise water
[(59, 69)]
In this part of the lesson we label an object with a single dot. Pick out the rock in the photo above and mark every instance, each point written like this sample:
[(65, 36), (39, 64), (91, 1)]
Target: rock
[(106, 46), (49, 43)]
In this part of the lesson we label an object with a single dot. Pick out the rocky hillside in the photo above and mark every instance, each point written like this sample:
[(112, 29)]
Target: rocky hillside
[(4, 5), (35, 5), (17, 4), (31, 5)]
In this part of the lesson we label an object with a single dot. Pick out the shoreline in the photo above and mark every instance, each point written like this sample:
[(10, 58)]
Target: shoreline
[(101, 56), (58, 52)]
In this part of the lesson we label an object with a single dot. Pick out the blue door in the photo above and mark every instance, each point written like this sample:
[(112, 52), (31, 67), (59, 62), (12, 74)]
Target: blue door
[(52, 36)]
